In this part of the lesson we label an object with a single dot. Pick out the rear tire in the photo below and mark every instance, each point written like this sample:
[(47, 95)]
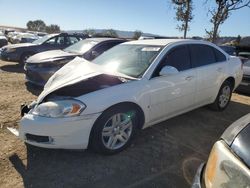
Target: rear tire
[(114, 130), (223, 98)]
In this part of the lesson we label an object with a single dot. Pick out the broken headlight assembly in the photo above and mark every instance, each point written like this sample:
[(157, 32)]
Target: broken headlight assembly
[(59, 109), (224, 169)]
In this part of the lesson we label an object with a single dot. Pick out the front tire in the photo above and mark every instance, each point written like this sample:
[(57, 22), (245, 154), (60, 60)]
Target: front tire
[(114, 130), (24, 57), (223, 98)]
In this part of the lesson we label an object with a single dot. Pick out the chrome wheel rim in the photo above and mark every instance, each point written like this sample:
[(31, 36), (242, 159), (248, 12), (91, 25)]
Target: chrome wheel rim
[(117, 131), (225, 96)]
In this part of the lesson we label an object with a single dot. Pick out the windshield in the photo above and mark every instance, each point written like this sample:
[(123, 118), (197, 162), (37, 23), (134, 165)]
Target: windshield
[(42, 40), (81, 47), (132, 60)]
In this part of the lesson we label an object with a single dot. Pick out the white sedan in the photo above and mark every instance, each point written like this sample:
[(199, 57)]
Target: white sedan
[(132, 86)]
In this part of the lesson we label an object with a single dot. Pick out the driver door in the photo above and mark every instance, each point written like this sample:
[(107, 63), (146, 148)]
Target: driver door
[(55, 43), (172, 94)]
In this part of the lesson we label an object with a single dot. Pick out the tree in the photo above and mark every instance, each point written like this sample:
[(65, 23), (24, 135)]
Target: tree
[(221, 12), (238, 39), (53, 28), (137, 34), (184, 15), (37, 25), (110, 33), (89, 32)]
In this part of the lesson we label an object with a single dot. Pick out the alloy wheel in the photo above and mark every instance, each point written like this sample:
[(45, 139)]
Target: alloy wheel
[(224, 96), (117, 131)]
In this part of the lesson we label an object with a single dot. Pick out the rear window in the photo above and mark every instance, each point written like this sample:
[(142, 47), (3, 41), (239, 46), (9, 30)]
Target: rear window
[(202, 55), (219, 56)]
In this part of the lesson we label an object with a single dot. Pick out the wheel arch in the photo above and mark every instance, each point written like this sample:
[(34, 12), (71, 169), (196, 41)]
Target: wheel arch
[(231, 80), (133, 105)]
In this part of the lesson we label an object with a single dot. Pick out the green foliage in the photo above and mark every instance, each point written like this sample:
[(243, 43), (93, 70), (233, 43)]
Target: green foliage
[(111, 33), (53, 28), (37, 25), (107, 33), (137, 34), (90, 32)]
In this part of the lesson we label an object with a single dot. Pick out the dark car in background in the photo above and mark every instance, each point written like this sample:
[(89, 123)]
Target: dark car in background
[(3, 40), (21, 52), (40, 67), (228, 164)]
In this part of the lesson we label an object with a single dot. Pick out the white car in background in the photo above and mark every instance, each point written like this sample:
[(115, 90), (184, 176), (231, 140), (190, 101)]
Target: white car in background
[(132, 86)]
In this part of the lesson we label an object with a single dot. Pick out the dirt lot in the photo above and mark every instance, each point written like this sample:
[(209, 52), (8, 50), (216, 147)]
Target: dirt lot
[(165, 155)]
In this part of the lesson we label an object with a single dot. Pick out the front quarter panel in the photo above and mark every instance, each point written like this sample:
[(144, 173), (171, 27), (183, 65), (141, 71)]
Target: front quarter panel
[(132, 91)]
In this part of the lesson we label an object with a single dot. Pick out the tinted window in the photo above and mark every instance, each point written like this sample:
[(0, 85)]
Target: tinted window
[(51, 41), (201, 55), (219, 56), (105, 46), (178, 58), (71, 40), (60, 40)]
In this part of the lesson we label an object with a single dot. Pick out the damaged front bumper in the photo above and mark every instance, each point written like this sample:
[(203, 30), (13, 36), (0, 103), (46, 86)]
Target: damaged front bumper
[(59, 133)]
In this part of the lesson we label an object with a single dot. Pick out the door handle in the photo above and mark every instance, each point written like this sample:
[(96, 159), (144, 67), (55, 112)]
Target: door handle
[(188, 78), (219, 69)]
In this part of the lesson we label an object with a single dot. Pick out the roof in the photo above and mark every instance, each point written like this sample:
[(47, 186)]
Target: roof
[(160, 42)]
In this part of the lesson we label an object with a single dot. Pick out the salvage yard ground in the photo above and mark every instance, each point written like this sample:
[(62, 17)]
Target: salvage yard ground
[(165, 155)]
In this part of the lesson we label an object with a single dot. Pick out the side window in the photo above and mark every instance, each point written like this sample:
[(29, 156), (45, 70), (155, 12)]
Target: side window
[(60, 40), (177, 57), (105, 46), (71, 40), (219, 56), (201, 55), (51, 41)]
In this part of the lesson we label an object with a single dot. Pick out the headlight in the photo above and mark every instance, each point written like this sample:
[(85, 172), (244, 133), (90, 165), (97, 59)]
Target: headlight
[(224, 169), (9, 50), (61, 108)]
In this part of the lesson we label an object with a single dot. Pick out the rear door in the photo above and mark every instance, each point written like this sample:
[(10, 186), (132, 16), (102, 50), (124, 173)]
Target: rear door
[(210, 65)]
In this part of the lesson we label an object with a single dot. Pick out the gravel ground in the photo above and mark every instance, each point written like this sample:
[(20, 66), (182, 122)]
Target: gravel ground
[(165, 155)]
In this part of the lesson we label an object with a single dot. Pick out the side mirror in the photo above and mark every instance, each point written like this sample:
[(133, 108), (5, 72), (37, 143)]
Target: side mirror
[(168, 70)]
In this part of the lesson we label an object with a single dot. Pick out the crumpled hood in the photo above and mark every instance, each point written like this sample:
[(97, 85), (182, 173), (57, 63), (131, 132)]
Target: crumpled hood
[(19, 45), (75, 71), (51, 55)]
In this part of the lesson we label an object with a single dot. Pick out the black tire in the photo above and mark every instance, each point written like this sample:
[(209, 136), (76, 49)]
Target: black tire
[(217, 104), (24, 57), (96, 142)]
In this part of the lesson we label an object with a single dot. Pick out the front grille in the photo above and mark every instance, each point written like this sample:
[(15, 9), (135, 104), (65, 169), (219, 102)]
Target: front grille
[(36, 138)]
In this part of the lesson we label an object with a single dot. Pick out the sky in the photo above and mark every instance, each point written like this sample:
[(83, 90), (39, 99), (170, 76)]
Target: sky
[(149, 16)]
